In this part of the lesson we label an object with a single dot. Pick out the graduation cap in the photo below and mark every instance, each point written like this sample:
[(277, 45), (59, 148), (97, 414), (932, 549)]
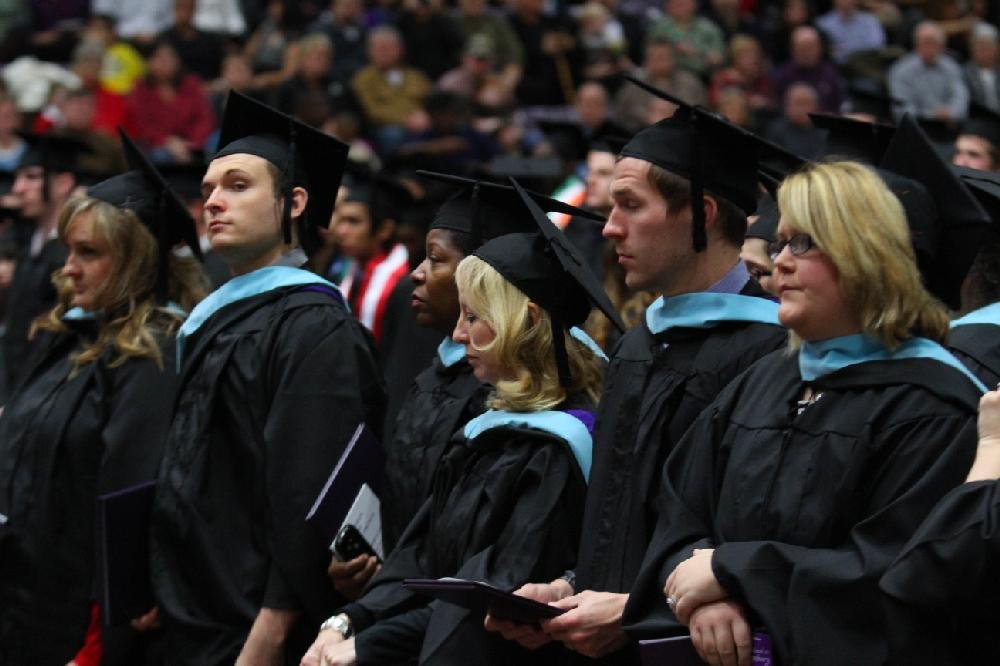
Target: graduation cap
[(766, 226), (853, 139), (984, 123), (697, 144), (144, 191), (774, 163), (870, 98), (610, 138), (568, 138), (184, 179), (551, 272), (985, 185), (486, 210), (308, 157), (384, 194), (962, 220), (55, 153)]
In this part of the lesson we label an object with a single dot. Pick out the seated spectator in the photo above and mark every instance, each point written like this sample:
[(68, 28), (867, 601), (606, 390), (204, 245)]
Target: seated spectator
[(344, 24), (982, 72), (733, 19), (698, 43), (449, 144), (927, 82), (200, 51), (110, 109), (169, 110), (313, 78), (476, 78), (473, 18), (850, 30), (551, 56), (747, 71), (235, 74), (364, 225), (778, 30), (271, 48), (73, 117), (734, 106), (658, 69), (602, 39), (138, 21), (388, 90), (794, 130), (432, 39), (122, 65), (807, 65), (12, 146)]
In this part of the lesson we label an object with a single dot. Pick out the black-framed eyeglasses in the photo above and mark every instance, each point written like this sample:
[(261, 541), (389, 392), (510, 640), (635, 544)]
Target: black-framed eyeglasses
[(799, 244)]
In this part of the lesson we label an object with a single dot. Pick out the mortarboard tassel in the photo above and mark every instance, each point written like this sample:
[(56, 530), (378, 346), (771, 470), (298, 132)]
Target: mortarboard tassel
[(475, 224), (562, 357), (699, 237), (286, 214)]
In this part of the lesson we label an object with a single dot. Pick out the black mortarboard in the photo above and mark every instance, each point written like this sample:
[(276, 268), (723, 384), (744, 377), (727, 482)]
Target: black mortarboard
[(961, 218), (712, 153), (610, 138), (184, 179), (54, 153), (774, 163), (984, 123), (940, 132), (384, 194), (766, 226), (852, 139), (308, 157), (869, 97), (551, 272), (985, 185), (486, 210), (568, 138), (145, 192)]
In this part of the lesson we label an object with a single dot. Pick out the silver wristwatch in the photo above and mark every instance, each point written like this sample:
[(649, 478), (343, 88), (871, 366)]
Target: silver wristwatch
[(340, 623)]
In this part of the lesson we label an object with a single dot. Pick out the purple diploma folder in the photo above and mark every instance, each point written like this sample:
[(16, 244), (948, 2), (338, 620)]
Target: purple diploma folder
[(360, 463), (123, 553), (483, 597)]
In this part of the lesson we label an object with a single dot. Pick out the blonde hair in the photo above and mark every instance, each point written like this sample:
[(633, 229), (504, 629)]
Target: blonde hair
[(859, 224), (131, 315), (522, 345)]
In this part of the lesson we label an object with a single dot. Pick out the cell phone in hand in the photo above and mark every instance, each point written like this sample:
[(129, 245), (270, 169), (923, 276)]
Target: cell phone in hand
[(350, 544)]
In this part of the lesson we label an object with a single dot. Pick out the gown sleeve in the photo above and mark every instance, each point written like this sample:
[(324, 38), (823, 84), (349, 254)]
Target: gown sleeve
[(324, 383), (943, 597), (138, 417)]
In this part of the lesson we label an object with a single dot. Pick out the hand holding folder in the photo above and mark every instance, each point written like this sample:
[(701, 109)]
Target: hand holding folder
[(483, 598)]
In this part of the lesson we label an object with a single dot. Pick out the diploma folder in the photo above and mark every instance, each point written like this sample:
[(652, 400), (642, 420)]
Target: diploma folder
[(123, 518), (483, 597), (677, 651), (361, 463)]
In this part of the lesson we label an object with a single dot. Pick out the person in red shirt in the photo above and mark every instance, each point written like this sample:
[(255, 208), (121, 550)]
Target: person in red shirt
[(169, 109), (364, 226)]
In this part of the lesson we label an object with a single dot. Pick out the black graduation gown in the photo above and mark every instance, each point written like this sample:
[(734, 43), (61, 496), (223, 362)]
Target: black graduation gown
[(652, 394), (505, 508), (406, 348), (978, 347), (271, 390), (441, 400), (31, 293), (807, 512), (943, 591), (63, 442)]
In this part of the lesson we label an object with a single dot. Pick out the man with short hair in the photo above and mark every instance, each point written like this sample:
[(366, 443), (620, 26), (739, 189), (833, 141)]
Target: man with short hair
[(712, 322), (807, 65), (982, 72), (658, 69), (928, 82), (45, 179), (276, 375)]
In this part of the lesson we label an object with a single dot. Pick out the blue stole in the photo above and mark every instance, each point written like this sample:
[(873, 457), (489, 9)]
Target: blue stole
[(704, 309), (244, 286), (817, 359), (450, 352), (79, 314), (562, 425), (988, 314), (581, 336)]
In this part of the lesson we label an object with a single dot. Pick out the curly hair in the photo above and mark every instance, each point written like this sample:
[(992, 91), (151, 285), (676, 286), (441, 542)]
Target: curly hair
[(131, 316)]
